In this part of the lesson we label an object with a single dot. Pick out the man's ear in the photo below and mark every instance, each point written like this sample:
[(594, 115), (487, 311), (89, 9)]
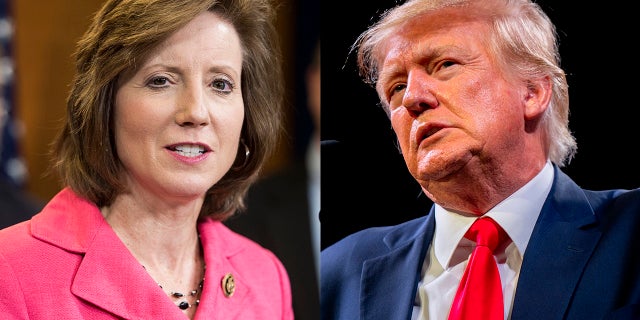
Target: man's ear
[(537, 97)]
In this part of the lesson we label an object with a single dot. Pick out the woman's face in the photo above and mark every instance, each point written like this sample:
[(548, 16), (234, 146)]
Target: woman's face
[(178, 116)]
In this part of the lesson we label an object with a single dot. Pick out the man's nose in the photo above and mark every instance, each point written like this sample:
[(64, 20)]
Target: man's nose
[(419, 93)]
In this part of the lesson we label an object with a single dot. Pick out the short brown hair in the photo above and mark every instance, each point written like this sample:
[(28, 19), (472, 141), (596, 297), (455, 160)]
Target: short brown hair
[(122, 33)]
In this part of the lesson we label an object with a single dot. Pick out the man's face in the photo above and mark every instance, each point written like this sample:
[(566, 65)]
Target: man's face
[(451, 105)]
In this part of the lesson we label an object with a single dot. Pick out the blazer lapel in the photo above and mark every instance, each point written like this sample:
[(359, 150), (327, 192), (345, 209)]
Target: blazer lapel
[(217, 252), (562, 241), (112, 279), (108, 276), (388, 292)]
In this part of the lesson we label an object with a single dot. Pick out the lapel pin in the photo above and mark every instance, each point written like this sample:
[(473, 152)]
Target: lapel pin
[(228, 285)]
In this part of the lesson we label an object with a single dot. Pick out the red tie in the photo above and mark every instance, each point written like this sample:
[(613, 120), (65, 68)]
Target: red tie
[(479, 295)]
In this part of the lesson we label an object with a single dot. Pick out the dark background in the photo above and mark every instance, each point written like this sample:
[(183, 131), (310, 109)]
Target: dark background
[(364, 180)]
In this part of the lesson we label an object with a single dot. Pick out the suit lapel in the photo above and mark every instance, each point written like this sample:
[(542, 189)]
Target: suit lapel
[(388, 292), (562, 241)]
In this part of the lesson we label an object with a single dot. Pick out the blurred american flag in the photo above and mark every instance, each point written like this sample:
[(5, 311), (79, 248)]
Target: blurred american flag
[(12, 166)]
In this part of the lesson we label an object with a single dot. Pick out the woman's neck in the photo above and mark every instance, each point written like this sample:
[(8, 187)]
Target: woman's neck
[(166, 243)]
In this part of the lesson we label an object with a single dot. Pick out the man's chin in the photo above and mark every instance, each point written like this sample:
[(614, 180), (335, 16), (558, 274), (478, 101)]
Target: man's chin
[(438, 165)]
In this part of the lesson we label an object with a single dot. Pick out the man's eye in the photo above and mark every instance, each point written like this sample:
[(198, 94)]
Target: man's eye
[(396, 89), (447, 63), (399, 88)]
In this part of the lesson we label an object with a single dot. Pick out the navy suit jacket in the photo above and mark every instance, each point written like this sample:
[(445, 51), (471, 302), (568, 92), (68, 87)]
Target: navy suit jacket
[(582, 262)]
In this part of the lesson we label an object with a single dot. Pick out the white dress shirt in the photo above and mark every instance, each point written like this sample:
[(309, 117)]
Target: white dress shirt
[(449, 251)]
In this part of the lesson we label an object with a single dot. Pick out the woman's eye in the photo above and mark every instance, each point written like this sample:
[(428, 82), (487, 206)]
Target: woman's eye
[(222, 85), (158, 81)]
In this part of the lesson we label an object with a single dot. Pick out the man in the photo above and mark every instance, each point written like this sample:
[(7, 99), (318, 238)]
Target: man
[(479, 105)]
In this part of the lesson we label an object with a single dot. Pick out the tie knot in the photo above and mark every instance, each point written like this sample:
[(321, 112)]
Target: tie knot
[(486, 232)]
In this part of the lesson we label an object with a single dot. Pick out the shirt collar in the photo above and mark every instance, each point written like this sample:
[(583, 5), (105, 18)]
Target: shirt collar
[(517, 215)]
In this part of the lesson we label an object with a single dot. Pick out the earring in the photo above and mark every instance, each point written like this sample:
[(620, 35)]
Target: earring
[(247, 152)]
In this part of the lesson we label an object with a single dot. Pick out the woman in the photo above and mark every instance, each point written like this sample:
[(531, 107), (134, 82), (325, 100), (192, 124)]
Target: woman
[(175, 107)]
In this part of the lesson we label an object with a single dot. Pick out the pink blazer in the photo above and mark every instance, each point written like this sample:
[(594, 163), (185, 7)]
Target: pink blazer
[(67, 263)]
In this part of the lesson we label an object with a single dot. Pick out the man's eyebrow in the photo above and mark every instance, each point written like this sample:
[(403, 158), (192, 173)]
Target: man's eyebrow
[(425, 54), (389, 72), (396, 67)]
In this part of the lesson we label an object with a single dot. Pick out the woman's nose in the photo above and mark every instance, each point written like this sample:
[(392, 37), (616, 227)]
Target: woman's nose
[(192, 109)]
